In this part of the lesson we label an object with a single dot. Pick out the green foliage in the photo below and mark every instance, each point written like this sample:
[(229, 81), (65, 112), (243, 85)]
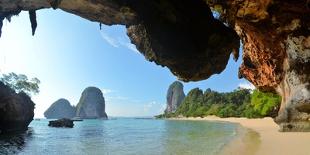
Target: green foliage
[(264, 103), (239, 103), (21, 83)]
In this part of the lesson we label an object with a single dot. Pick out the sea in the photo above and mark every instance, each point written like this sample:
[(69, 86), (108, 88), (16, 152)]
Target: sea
[(121, 136)]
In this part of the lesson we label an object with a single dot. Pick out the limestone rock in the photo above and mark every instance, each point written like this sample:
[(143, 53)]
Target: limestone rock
[(64, 122), (175, 96), (91, 104), (16, 110), (276, 54), (60, 109)]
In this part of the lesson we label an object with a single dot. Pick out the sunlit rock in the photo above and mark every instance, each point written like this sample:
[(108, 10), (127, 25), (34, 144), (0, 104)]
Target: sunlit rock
[(91, 104)]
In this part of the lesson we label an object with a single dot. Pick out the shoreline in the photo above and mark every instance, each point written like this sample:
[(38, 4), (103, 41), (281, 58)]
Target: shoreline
[(261, 137)]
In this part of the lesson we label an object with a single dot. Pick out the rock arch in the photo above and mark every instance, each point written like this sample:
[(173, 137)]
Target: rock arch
[(184, 36)]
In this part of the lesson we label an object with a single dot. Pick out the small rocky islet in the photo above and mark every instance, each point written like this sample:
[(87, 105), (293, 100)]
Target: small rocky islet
[(64, 122), (16, 110)]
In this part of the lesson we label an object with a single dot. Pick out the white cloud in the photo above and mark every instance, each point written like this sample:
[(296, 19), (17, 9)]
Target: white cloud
[(131, 47), (247, 85), (153, 108), (106, 91), (109, 39), (148, 106), (118, 42)]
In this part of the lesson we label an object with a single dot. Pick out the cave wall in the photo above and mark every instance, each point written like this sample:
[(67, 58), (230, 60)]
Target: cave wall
[(275, 36), (185, 37)]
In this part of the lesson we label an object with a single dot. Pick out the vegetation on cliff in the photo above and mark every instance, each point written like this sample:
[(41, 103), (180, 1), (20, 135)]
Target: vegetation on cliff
[(21, 83), (238, 103)]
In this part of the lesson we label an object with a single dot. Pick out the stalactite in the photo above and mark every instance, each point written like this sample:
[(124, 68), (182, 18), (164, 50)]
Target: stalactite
[(55, 3), (33, 20), (1, 24), (7, 16)]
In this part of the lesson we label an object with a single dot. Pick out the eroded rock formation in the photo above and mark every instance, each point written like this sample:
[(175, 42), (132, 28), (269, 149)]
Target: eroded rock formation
[(16, 110), (175, 96), (275, 36), (91, 104), (184, 36), (60, 109)]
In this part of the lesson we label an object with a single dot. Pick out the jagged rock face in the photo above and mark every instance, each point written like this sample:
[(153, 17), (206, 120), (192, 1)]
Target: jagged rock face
[(184, 36), (276, 57), (16, 110), (175, 96), (60, 109), (91, 104)]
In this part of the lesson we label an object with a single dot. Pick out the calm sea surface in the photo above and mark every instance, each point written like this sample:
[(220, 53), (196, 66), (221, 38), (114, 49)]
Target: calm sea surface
[(121, 136)]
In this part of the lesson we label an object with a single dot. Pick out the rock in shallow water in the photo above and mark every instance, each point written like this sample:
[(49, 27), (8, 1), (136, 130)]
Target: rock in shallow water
[(64, 122), (16, 110)]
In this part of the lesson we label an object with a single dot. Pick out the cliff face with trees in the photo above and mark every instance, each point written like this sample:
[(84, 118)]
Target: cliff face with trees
[(185, 37), (16, 106), (239, 103)]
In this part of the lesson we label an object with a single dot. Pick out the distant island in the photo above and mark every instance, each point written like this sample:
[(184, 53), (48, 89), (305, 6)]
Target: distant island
[(238, 103), (60, 109), (90, 105)]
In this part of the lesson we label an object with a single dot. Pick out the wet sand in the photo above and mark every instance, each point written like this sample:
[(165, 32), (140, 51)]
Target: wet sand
[(261, 137)]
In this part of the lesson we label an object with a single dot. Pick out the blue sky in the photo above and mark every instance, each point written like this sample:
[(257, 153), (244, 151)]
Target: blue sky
[(69, 53)]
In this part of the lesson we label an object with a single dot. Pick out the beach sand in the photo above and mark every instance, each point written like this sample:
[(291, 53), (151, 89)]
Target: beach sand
[(261, 137)]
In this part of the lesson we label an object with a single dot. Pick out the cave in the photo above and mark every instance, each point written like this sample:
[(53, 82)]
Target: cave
[(185, 37)]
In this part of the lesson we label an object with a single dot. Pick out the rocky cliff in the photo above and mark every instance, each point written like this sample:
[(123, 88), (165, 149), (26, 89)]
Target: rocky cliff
[(60, 109), (16, 110), (185, 37), (175, 96), (91, 104)]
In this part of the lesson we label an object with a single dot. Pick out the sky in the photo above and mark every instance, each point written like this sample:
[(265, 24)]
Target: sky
[(69, 53)]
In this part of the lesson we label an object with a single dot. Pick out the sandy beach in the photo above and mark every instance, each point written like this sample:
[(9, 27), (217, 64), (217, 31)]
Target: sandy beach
[(261, 137)]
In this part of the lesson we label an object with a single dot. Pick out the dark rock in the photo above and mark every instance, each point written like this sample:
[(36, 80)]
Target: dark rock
[(91, 104), (60, 109), (175, 96), (16, 110), (64, 122)]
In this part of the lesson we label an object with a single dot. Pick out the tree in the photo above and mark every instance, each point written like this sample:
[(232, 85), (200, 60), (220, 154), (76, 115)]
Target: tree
[(21, 83), (265, 103)]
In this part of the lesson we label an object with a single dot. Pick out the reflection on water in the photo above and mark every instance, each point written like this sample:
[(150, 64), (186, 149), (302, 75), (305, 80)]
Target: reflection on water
[(14, 143)]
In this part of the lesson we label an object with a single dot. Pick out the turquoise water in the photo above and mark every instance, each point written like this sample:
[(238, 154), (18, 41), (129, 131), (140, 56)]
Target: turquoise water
[(121, 136)]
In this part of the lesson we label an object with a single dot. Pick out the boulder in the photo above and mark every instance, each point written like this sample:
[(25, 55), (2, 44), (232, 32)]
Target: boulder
[(16, 110), (175, 96), (60, 109), (64, 122), (91, 104)]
